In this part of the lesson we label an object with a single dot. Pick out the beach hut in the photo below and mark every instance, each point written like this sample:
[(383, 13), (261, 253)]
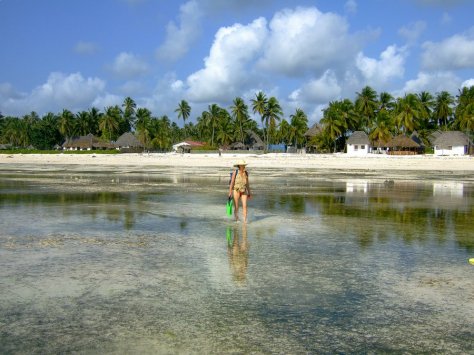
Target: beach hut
[(452, 143), (237, 146), (128, 142), (89, 142), (380, 146), (403, 145), (182, 147), (253, 141), (315, 130), (416, 138), (358, 143)]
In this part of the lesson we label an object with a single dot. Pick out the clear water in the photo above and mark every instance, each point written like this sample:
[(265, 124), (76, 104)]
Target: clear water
[(120, 261)]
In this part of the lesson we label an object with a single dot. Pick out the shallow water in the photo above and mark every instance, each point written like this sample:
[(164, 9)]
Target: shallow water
[(121, 261)]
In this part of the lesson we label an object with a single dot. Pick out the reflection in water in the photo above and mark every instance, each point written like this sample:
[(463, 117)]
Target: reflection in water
[(336, 266), (357, 186), (448, 189), (238, 252)]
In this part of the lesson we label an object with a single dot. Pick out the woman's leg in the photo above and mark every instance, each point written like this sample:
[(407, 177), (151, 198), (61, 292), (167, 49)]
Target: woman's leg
[(236, 205), (244, 206)]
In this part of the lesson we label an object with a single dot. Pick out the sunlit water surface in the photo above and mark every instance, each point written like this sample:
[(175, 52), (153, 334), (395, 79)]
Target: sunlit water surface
[(148, 262)]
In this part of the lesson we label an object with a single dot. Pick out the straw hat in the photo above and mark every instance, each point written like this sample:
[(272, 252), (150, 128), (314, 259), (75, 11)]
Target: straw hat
[(240, 162)]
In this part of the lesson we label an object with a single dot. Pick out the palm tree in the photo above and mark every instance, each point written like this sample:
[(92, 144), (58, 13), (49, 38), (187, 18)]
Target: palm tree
[(183, 110), (299, 125), (465, 110), (346, 110), (443, 108), (214, 115), (225, 130), (143, 124), (273, 113), (259, 105), (161, 132), (16, 132), (286, 133), (408, 113), (129, 107), (110, 122), (203, 127), (94, 118), (366, 105), (386, 102), (240, 114), (383, 123), (83, 123), (66, 124), (333, 122), (427, 103)]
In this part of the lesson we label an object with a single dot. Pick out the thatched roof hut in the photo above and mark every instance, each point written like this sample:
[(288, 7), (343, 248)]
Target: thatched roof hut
[(452, 139), (89, 142), (237, 146), (402, 141), (358, 137), (416, 138), (128, 140), (254, 141), (313, 131), (452, 143), (402, 144)]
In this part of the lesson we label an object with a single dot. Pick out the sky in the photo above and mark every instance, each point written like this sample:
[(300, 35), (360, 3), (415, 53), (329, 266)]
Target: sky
[(78, 54)]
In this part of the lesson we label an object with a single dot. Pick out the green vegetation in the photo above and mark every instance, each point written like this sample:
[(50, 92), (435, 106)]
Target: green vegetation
[(381, 116), (48, 151)]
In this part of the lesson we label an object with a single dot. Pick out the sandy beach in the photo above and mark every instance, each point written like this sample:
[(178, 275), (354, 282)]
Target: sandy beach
[(459, 164)]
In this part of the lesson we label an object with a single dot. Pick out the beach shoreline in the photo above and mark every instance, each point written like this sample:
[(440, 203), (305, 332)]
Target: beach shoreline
[(337, 161), (325, 166)]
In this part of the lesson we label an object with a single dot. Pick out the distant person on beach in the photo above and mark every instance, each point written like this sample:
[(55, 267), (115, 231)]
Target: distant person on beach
[(239, 188)]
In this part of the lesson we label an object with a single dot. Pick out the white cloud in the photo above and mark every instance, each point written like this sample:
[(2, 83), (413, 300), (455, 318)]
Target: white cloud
[(379, 72), (86, 48), (468, 83), (306, 40), (412, 31), (431, 82), (60, 91), (180, 37), (324, 89), (456, 52), (165, 97), (225, 70), (128, 65)]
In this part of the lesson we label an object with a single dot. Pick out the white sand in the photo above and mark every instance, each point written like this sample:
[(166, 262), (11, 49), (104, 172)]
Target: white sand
[(339, 161)]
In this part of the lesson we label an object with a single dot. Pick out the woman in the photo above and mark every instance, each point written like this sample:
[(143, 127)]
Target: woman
[(239, 188)]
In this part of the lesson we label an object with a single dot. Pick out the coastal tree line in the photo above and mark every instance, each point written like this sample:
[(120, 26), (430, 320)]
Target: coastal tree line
[(380, 115)]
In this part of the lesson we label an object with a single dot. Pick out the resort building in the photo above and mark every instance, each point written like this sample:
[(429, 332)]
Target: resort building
[(452, 143), (358, 143), (128, 142), (187, 146), (89, 142), (403, 145)]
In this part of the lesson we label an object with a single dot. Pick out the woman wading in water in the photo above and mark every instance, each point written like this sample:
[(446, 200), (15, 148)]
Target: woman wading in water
[(240, 189)]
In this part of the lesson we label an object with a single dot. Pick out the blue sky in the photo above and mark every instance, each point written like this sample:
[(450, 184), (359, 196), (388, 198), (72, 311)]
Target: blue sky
[(76, 54)]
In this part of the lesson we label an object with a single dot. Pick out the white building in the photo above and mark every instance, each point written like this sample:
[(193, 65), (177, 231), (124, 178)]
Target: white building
[(452, 143), (358, 144)]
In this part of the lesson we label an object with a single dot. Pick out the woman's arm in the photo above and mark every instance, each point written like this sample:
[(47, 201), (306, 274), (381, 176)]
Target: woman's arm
[(231, 185), (248, 186)]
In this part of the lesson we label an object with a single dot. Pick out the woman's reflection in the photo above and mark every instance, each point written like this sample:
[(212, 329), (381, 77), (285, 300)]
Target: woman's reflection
[(238, 252)]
